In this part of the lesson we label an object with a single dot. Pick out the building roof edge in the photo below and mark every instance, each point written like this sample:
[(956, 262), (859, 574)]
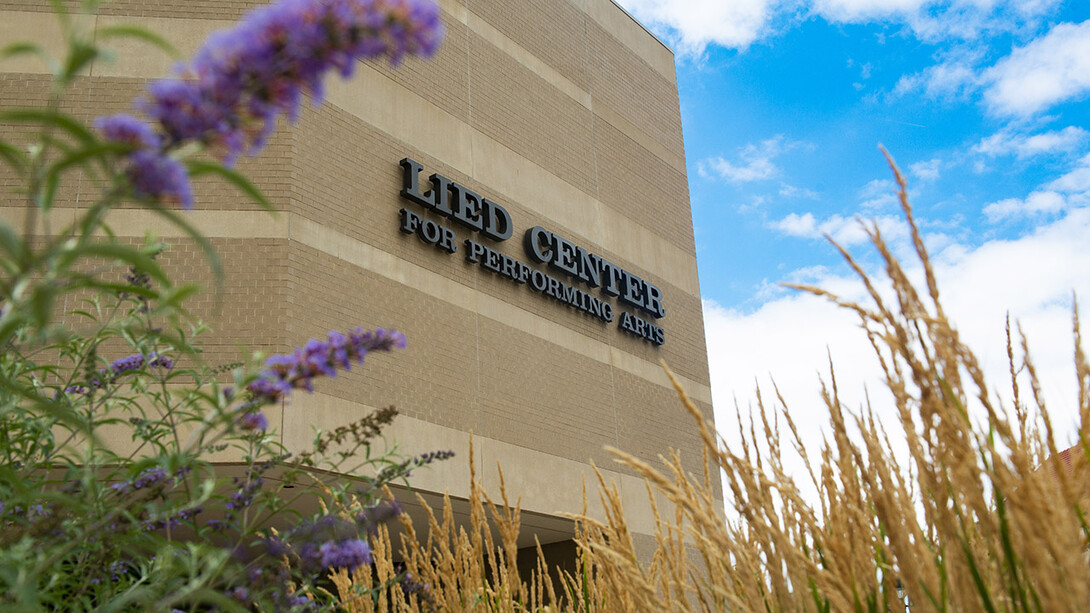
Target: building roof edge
[(645, 28)]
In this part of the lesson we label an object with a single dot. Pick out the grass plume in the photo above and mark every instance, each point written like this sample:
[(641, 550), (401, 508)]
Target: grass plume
[(983, 512)]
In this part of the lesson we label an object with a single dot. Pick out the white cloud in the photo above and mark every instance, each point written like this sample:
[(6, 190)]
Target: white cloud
[(693, 25), (1077, 180), (954, 78), (798, 225), (927, 170), (1069, 192), (1035, 204), (753, 162), (752, 169), (866, 10), (933, 20), (877, 195), (846, 231), (788, 337), (793, 191), (1049, 70), (1010, 142)]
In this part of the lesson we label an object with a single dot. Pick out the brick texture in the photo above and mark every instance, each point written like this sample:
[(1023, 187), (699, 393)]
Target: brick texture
[(191, 9), (332, 169), (536, 120), (643, 187), (553, 30), (633, 88), (441, 80), (433, 379)]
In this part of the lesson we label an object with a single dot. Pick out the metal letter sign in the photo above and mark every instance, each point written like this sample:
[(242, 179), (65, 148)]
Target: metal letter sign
[(483, 216), (467, 207)]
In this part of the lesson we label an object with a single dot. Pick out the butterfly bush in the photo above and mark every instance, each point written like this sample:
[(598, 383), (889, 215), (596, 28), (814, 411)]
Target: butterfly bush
[(284, 372), (119, 367), (121, 521), (297, 370), (230, 95), (348, 554)]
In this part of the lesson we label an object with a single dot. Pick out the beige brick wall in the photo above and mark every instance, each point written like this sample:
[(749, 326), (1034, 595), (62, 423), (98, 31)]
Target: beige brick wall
[(552, 30), (636, 183), (434, 379), (191, 9), (441, 80), (537, 121), (564, 112), (250, 313), (633, 88), (570, 412)]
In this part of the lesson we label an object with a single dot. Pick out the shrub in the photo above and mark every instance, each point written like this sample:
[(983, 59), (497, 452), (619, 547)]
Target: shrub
[(110, 422)]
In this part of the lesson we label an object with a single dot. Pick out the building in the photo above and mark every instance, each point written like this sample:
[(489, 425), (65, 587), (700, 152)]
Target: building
[(537, 320)]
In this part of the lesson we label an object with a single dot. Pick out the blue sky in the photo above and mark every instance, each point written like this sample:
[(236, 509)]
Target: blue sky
[(985, 106)]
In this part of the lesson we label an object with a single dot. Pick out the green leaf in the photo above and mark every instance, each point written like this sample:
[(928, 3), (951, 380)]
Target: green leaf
[(60, 9), (52, 408), (15, 158), (83, 154), (206, 246), (24, 48), (80, 55), (111, 287), (9, 325), (11, 242), (175, 297), (130, 256), (64, 147), (41, 303), (200, 167), (978, 579), (1016, 590), (78, 157), (45, 117), (48, 191), (133, 31)]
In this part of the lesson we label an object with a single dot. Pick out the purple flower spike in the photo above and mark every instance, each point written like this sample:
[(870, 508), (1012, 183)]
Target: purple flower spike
[(232, 92), (121, 366), (230, 95), (158, 177), (348, 554), (146, 479), (128, 130), (297, 370), (253, 420)]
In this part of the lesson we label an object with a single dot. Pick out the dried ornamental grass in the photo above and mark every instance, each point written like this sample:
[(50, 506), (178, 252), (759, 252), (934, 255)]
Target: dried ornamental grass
[(975, 517), (968, 522)]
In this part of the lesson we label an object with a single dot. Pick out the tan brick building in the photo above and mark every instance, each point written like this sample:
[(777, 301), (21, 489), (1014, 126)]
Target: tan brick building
[(563, 113)]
